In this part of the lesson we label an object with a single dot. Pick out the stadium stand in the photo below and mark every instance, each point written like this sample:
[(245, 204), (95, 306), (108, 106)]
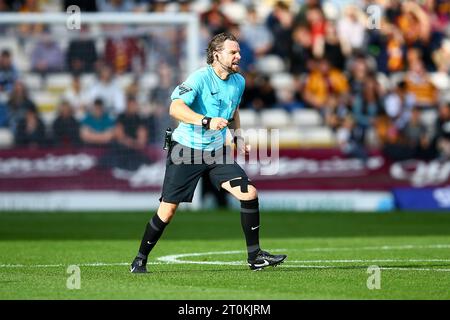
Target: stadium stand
[(389, 50)]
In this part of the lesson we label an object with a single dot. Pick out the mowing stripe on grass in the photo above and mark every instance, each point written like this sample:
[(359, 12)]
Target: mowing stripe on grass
[(177, 259), (402, 247)]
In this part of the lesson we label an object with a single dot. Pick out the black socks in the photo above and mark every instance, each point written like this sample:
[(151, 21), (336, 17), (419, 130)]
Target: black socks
[(153, 231), (250, 226)]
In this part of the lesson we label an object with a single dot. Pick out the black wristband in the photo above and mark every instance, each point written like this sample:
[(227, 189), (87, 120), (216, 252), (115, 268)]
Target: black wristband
[(205, 122)]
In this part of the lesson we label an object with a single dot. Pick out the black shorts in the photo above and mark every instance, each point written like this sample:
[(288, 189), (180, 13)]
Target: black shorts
[(181, 177)]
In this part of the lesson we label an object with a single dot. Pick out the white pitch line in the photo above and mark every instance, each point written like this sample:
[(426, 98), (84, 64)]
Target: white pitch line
[(400, 247), (370, 260), (94, 264), (381, 268), (176, 259)]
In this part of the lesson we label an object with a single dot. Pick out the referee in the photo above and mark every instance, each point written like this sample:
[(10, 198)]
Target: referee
[(202, 104)]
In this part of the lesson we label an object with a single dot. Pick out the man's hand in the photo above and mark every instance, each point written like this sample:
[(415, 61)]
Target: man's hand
[(218, 123)]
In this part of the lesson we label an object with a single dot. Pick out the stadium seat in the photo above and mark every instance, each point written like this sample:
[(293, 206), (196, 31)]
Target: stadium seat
[(149, 80), (270, 64), (124, 80), (306, 117), (88, 80), (58, 81), (275, 118), (249, 118), (19, 57), (236, 11), (318, 136), (290, 138), (428, 117), (6, 138), (384, 81), (32, 81), (45, 100), (48, 117), (282, 80), (395, 78), (440, 80)]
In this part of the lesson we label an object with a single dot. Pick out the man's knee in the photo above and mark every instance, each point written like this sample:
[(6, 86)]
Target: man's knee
[(242, 189), (250, 195), (167, 210)]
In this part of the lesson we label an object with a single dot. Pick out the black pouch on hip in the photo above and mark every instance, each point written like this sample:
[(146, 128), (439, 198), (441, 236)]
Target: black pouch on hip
[(167, 139)]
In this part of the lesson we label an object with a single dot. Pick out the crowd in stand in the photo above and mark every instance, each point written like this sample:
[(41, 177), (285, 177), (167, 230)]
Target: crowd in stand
[(343, 61)]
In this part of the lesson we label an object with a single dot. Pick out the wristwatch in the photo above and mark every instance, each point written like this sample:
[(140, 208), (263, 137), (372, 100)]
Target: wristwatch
[(205, 122)]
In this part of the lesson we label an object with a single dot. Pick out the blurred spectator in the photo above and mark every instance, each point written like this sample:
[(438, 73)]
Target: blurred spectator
[(393, 10), (441, 57), (387, 46), (97, 128), (214, 20), (414, 23), (416, 27), (81, 54), (417, 137), (280, 23), (85, 6), (163, 46), (301, 16), (411, 141), (158, 5), (130, 129), (30, 30), (332, 49), (115, 5), (442, 139), (256, 34), (324, 85), (350, 139), (159, 97), (185, 5), (398, 106), (131, 136), (419, 84), (4, 117), (66, 127), (362, 74), (366, 106), (287, 100), (19, 102), (30, 130), (8, 72), (259, 93), (301, 50), (395, 50), (351, 30), (47, 55), (317, 25), (76, 97), (4, 8), (109, 91), (136, 90), (124, 53)]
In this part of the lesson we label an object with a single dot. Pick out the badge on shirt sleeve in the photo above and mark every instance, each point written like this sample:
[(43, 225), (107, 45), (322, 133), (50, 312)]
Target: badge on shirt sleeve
[(183, 88)]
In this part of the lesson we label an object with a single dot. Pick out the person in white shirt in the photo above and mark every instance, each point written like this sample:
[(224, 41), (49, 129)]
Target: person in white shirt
[(109, 91)]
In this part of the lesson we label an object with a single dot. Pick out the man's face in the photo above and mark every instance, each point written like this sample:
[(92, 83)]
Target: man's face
[(230, 56)]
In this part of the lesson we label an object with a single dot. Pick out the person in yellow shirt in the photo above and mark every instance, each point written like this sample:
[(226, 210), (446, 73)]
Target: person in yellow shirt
[(323, 83)]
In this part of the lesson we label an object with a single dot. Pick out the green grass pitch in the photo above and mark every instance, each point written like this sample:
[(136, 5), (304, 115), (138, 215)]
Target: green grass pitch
[(201, 256)]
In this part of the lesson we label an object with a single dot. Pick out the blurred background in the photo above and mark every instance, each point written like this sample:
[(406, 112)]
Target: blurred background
[(359, 90)]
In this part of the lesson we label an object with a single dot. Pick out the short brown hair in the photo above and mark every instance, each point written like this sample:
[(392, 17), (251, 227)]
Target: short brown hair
[(216, 44)]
